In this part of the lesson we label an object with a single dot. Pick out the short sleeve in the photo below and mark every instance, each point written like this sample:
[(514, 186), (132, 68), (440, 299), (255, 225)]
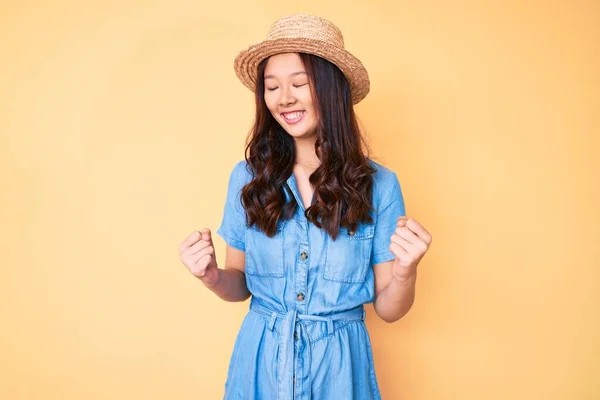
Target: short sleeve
[(233, 225), (391, 208)]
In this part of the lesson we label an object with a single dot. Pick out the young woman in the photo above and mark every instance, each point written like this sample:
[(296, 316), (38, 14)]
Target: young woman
[(314, 228)]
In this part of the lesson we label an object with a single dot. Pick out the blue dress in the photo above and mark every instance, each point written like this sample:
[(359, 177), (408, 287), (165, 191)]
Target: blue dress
[(304, 336)]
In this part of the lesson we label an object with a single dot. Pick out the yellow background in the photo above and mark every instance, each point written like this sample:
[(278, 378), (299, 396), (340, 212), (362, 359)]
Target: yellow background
[(120, 122)]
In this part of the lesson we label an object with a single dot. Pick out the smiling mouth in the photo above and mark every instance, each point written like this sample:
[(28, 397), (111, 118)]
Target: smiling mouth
[(293, 117)]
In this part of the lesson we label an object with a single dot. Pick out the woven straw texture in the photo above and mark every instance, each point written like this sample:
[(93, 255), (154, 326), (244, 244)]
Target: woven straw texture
[(302, 33)]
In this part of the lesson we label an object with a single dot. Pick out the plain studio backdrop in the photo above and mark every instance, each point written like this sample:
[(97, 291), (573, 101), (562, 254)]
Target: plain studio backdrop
[(121, 121)]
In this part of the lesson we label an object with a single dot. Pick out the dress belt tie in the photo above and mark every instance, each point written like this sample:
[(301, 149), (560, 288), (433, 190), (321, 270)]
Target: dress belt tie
[(285, 367)]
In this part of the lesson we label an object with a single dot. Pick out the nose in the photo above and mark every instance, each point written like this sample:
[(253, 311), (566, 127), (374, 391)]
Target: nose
[(287, 97)]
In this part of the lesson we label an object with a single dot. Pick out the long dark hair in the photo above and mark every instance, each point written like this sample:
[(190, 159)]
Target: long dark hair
[(343, 182)]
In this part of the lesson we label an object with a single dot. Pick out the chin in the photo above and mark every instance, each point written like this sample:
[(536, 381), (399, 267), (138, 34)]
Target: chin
[(301, 133)]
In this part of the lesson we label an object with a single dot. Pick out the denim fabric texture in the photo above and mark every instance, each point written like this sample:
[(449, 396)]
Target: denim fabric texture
[(304, 336)]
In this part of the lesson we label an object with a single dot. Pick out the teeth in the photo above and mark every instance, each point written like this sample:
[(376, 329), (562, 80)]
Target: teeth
[(293, 115)]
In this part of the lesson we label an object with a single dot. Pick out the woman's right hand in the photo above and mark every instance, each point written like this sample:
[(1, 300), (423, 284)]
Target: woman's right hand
[(197, 253)]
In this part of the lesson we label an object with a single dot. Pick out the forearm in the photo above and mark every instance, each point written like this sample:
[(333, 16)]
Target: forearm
[(230, 285), (396, 299)]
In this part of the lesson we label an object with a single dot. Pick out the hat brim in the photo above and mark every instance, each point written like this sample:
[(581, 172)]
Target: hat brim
[(247, 61)]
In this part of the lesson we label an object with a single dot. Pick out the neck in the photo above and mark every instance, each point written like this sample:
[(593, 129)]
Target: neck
[(306, 155)]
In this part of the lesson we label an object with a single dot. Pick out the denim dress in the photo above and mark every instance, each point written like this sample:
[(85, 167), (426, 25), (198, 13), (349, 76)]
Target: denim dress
[(304, 336)]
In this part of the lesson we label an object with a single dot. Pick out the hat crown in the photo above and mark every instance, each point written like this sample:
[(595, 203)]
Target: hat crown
[(304, 26), (307, 34)]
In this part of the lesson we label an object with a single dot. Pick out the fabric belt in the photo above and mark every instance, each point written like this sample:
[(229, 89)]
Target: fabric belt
[(285, 366)]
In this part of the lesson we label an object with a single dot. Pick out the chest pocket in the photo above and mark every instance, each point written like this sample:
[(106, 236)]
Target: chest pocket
[(264, 255), (349, 256)]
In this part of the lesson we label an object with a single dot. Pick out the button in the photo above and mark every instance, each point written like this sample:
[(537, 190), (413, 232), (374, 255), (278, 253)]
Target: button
[(300, 296), (351, 233), (303, 255)]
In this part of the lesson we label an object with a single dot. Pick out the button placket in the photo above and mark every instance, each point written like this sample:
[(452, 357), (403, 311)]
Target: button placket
[(301, 275)]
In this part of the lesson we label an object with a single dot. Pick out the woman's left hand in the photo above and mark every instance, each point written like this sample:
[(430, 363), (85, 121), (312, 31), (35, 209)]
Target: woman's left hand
[(409, 244)]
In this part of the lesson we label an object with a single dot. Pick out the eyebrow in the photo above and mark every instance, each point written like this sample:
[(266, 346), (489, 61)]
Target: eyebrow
[(291, 75)]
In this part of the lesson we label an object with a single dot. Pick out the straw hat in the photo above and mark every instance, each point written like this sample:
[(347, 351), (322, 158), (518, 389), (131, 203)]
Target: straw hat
[(302, 33)]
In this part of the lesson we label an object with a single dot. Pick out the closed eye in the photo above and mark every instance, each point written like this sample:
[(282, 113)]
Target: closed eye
[(271, 89)]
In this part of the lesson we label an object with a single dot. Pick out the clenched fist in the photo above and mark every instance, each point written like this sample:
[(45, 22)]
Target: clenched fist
[(409, 243), (197, 253)]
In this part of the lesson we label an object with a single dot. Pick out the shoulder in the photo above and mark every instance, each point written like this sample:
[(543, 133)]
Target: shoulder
[(241, 173), (386, 187), (383, 177)]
